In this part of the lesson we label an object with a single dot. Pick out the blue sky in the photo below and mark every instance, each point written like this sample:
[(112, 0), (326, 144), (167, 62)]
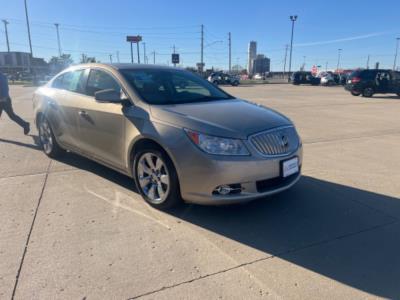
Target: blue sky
[(99, 28)]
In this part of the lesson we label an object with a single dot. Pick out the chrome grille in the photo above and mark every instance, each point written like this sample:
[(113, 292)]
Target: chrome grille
[(278, 141)]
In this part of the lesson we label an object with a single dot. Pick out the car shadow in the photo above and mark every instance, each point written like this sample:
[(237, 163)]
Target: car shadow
[(386, 97), (340, 232)]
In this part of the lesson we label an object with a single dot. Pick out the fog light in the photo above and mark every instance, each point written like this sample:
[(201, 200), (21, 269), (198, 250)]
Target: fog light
[(228, 189), (223, 189)]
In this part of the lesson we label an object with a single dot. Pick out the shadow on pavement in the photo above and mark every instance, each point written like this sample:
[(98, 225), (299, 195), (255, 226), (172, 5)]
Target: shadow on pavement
[(327, 228), (35, 145)]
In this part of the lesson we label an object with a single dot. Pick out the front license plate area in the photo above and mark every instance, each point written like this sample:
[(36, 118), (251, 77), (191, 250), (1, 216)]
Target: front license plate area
[(289, 167)]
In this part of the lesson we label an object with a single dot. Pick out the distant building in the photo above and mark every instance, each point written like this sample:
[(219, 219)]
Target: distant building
[(261, 64), (252, 56), (14, 59)]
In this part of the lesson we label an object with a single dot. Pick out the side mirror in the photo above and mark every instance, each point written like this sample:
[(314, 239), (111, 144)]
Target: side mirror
[(109, 95)]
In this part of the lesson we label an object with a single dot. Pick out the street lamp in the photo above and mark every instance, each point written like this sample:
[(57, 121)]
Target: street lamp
[(338, 60), (395, 55), (293, 19)]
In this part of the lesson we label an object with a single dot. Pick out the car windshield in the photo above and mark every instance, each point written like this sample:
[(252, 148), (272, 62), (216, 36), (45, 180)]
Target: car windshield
[(170, 86)]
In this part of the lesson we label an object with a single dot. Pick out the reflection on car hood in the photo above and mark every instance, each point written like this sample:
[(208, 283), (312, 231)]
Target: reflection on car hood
[(234, 118)]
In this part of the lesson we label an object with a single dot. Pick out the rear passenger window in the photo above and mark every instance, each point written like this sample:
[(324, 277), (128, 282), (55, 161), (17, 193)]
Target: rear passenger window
[(57, 83), (100, 80), (70, 81)]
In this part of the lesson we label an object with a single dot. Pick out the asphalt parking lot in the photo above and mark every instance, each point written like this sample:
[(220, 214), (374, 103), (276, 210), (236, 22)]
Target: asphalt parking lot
[(73, 229)]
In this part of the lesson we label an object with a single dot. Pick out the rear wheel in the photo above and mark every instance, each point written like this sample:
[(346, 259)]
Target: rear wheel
[(156, 178), (368, 92), (49, 143)]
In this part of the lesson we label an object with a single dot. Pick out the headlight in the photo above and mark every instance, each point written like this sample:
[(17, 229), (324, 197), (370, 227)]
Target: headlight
[(217, 145)]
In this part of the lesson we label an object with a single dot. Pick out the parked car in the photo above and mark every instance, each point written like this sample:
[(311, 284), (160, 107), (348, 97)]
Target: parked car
[(370, 82), (258, 76), (196, 143), (330, 78), (223, 78), (302, 77)]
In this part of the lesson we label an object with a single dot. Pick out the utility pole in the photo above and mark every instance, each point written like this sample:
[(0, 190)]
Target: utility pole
[(174, 53), (293, 19), (202, 48), (284, 64), (138, 55), (58, 39), (110, 55), (118, 56), (395, 55), (230, 51), (338, 60), (144, 53), (6, 30), (131, 52), (326, 66), (368, 62), (154, 57), (29, 30)]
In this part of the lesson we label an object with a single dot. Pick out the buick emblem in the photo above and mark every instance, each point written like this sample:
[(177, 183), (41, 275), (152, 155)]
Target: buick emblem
[(284, 141)]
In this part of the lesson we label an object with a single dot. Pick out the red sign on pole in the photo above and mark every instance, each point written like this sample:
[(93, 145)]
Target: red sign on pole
[(314, 70), (134, 38)]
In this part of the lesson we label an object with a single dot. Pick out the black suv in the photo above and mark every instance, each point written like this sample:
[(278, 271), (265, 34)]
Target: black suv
[(370, 82), (302, 77)]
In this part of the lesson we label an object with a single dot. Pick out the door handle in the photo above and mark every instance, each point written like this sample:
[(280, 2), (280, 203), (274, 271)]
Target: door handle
[(83, 113)]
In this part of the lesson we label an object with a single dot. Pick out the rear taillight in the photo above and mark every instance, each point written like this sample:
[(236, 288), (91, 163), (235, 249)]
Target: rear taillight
[(355, 79)]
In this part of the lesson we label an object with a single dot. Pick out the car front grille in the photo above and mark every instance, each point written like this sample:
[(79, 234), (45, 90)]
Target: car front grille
[(276, 142)]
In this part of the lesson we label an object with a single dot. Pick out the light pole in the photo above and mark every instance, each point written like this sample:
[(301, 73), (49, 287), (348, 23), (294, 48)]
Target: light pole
[(6, 30), (338, 59), (58, 39), (395, 55), (29, 30), (293, 19), (230, 52)]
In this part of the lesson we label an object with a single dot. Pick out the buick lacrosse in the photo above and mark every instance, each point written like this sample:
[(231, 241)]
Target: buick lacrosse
[(177, 135)]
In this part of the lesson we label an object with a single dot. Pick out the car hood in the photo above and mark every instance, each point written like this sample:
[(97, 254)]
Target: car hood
[(233, 118)]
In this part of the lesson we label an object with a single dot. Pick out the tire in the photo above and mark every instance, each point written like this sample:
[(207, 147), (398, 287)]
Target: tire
[(49, 143), (355, 93), (215, 82), (368, 92), (235, 83), (398, 94), (156, 178)]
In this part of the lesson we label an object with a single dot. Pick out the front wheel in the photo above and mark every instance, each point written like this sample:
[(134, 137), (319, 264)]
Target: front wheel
[(354, 93), (156, 178), (368, 92), (49, 143)]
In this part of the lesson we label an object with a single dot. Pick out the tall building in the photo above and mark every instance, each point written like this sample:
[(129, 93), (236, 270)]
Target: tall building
[(252, 56), (261, 64)]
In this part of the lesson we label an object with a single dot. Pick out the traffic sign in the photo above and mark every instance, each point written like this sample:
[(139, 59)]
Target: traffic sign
[(175, 58)]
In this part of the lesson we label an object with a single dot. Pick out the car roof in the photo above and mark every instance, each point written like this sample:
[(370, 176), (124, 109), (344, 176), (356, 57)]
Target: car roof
[(122, 66)]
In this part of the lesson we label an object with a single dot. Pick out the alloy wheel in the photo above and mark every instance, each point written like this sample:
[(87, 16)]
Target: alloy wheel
[(153, 177), (45, 136)]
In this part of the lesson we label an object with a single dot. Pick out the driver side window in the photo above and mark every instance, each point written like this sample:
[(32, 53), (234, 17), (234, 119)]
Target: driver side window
[(99, 80)]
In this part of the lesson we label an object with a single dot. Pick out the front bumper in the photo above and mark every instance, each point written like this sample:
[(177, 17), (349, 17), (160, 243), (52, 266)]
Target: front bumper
[(200, 173)]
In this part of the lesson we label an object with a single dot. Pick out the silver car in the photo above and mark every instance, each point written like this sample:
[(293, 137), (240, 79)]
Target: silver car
[(177, 135)]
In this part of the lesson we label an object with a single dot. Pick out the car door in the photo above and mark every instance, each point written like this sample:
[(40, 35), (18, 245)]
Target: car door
[(62, 106), (102, 125)]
